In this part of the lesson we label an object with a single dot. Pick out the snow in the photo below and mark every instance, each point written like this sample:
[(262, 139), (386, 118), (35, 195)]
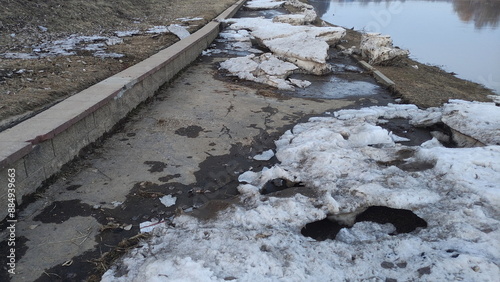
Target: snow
[(178, 30), (265, 156), (168, 200), (189, 19), (480, 121), (264, 4), (126, 33), (378, 48), (304, 47), (339, 159), (266, 68)]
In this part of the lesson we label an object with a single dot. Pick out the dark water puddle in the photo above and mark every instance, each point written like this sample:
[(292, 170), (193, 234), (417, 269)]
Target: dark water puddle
[(7, 259), (322, 230), (191, 131), (278, 184), (61, 211), (405, 221), (155, 166), (402, 128), (268, 13)]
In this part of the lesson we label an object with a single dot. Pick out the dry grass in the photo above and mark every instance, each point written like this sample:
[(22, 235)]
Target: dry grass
[(47, 81)]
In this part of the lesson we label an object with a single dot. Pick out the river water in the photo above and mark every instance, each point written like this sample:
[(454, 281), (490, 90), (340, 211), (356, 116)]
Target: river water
[(461, 36)]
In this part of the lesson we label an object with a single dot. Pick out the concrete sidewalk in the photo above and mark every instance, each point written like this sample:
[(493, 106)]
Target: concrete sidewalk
[(191, 142)]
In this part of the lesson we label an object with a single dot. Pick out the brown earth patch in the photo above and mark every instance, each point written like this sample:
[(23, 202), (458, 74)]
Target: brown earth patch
[(28, 86)]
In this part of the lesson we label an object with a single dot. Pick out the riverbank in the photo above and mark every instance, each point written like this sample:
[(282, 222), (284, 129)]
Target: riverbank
[(421, 84)]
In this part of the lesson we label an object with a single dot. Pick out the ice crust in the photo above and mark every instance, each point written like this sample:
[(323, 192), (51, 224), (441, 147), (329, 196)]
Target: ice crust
[(338, 157)]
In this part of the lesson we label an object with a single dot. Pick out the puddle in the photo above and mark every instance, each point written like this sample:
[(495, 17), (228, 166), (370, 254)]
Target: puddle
[(402, 128), (335, 87), (191, 131), (61, 211), (268, 14), (404, 221), (155, 166), (277, 185), (408, 166)]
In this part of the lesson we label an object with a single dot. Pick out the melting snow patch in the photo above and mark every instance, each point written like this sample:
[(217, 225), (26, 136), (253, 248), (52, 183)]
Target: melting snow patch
[(168, 200), (178, 30), (265, 156), (126, 33), (189, 19), (458, 199), (148, 226)]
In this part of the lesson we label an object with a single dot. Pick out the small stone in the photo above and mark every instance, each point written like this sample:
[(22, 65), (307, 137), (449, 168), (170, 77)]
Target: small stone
[(387, 265), (402, 264), (424, 270), (476, 268)]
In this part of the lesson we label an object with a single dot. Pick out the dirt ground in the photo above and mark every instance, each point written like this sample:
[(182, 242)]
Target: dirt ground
[(28, 86)]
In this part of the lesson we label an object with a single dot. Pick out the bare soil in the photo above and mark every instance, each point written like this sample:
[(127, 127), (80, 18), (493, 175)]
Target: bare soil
[(28, 86)]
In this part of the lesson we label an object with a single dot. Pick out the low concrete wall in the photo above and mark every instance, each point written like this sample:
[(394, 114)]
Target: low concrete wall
[(38, 147)]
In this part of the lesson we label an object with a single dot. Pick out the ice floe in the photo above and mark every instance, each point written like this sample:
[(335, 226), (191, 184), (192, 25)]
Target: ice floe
[(304, 46), (351, 164), (266, 68), (378, 48)]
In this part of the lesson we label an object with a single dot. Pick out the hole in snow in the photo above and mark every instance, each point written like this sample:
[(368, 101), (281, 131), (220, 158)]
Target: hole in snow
[(322, 229), (278, 184), (404, 221), (407, 166)]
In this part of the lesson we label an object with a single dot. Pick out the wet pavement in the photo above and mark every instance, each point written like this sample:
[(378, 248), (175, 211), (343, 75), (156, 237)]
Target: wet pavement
[(191, 141)]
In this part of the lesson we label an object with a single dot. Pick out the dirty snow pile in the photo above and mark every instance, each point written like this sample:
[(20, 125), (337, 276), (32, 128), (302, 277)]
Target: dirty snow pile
[(350, 163), (377, 48)]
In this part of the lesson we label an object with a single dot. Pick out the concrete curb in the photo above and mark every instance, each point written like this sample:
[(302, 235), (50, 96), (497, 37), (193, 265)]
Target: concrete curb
[(379, 76), (38, 147)]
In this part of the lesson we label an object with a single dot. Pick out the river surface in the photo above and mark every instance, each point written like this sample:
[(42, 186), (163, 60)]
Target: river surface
[(461, 36)]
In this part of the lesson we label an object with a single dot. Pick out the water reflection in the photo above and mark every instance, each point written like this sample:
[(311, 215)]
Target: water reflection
[(483, 13), (462, 36)]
